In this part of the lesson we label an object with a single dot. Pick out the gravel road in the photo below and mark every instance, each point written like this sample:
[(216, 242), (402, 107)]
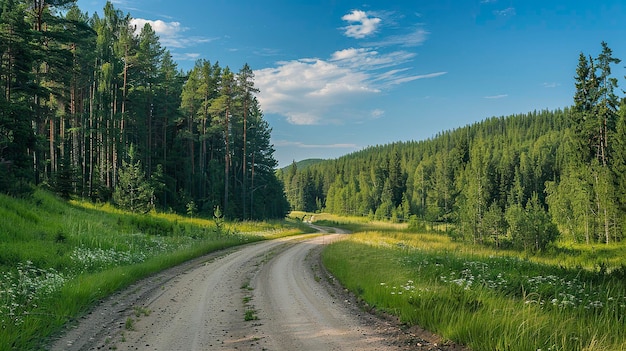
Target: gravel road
[(272, 295)]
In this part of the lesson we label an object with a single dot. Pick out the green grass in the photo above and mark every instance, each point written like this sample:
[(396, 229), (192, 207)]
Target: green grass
[(57, 259), (130, 324), (485, 299), (352, 224), (250, 315)]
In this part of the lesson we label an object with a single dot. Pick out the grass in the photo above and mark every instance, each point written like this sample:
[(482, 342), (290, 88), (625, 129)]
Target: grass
[(352, 224), (57, 259), (141, 311), (250, 315), (130, 324), (485, 299)]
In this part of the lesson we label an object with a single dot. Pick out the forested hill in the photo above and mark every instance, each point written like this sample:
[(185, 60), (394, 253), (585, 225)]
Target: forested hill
[(96, 108), (514, 155), (517, 181)]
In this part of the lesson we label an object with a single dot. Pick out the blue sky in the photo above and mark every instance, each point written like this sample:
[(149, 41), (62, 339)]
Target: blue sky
[(338, 76)]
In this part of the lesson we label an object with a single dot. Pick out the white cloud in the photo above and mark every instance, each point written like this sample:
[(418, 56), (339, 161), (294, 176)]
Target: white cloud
[(305, 90), (170, 33), (500, 96), (362, 24), (316, 91), (161, 28)]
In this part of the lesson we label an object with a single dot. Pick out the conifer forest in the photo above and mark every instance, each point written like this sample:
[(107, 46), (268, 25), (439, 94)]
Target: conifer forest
[(520, 181), (93, 107)]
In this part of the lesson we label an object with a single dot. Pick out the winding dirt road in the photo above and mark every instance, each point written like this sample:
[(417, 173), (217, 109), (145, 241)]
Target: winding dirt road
[(272, 295)]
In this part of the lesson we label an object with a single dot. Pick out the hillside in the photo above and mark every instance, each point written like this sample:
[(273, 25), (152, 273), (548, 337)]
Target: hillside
[(519, 181), (489, 181), (301, 165)]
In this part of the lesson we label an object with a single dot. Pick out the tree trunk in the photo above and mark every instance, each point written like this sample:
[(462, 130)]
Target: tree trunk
[(245, 142), (226, 161), (92, 97)]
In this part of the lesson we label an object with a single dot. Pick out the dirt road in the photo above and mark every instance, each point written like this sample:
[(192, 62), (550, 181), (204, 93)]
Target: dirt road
[(270, 295)]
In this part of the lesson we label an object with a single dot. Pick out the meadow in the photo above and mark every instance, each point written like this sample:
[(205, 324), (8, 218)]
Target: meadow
[(57, 259), (570, 298)]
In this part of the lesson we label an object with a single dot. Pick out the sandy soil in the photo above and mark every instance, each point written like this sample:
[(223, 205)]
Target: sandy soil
[(272, 295)]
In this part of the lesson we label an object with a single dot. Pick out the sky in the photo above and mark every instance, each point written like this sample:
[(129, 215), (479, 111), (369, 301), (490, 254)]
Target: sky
[(338, 76)]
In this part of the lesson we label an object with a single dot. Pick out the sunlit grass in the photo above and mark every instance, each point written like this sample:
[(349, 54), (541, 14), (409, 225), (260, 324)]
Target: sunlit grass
[(482, 298), (350, 223)]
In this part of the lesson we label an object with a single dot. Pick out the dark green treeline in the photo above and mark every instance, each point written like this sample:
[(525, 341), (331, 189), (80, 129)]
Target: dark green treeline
[(517, 181), (87, 103)]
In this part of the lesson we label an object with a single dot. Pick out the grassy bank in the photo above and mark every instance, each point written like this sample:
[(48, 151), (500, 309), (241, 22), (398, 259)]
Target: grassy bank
[(485, 299), (57, 259)]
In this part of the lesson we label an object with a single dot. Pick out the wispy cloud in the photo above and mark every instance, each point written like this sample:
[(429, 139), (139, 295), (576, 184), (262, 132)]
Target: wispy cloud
[(551, 85), (268, 52), (407, 79), (377, 113), (177, 42), (370, 59), (501, 96), (189, 56), (362, 24), (414, 38), (509, 11)]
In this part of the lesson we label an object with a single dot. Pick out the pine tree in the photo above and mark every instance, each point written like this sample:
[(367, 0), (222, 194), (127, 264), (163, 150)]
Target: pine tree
[(245, 89), (133, 191), (594, 124), (65, 179), (539, 230), (221, 110)]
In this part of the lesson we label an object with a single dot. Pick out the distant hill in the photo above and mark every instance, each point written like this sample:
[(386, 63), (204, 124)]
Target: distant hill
[(300, 165)]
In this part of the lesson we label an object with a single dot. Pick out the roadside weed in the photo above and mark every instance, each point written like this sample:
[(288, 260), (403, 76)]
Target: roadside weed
[(141, 311), (250, 315), (130, 324)]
